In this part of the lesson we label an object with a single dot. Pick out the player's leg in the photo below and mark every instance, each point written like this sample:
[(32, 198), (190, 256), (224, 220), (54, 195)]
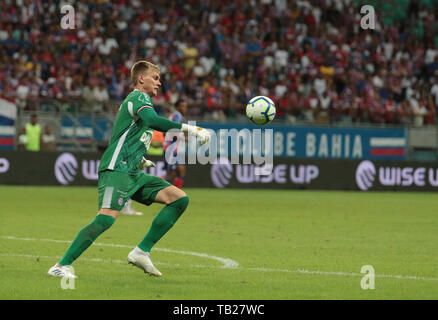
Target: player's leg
[(88, 234), (170, 175), (180, 175), (170, 172), (85, 237), (129, 210), (175, 201), (167, 169), (111, 200)]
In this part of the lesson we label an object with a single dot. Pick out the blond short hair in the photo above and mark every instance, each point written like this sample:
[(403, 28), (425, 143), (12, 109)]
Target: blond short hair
[(141, 67)]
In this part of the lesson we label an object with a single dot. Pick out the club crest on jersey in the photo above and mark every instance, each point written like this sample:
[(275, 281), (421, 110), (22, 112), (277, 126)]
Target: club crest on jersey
[(120, 201)]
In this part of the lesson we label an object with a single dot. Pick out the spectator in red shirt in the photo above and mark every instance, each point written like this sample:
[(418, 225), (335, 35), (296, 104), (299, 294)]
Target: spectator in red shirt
[(390, 109), (377, 110)]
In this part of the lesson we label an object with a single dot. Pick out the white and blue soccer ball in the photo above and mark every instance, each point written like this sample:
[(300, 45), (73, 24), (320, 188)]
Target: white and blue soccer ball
[(260, 110)]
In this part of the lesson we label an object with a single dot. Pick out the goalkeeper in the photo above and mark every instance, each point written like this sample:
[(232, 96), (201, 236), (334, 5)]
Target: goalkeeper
[(120, 177)]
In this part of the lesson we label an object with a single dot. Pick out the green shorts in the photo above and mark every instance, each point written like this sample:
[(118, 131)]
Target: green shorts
[(115, 188)]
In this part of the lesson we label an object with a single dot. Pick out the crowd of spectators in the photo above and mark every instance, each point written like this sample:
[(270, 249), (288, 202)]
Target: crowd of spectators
[(311, 57)]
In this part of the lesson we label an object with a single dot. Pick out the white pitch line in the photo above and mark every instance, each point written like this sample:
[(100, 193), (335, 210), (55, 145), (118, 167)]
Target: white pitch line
[(33, 256), (99, 260), (238, 267), (301, 271), (226, 263), (340, 273)]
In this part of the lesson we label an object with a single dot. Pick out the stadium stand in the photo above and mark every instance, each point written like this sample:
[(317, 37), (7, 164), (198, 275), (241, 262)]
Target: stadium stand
[(310, 57)]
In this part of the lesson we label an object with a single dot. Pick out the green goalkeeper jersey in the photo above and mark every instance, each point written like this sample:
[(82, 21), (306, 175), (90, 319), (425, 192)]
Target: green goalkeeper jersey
[(132, 133)]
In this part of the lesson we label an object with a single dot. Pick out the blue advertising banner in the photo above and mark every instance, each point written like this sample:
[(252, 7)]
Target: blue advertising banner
[(330, 142)]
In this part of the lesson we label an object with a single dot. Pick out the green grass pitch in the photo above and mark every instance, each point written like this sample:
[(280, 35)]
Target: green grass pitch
[(229, 244)]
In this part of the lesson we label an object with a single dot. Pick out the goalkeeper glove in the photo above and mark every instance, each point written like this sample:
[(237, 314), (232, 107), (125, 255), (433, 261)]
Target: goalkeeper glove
[(198, 132), (145, 163)]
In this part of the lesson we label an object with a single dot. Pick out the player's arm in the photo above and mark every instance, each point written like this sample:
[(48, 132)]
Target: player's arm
[(154, 121)]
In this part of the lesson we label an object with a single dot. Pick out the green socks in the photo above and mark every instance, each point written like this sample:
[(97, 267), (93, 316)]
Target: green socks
[(86, 237), (165, 219)]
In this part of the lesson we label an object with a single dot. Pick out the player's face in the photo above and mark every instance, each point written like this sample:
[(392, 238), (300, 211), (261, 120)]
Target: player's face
[(151, 82), (183, 108)]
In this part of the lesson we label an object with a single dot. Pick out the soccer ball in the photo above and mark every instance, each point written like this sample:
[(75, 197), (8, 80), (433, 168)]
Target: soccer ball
[(260, 110)]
